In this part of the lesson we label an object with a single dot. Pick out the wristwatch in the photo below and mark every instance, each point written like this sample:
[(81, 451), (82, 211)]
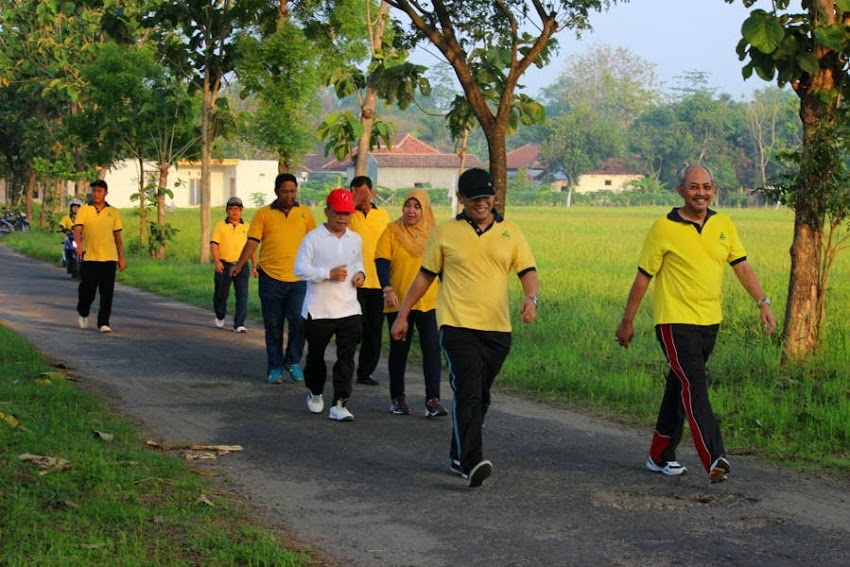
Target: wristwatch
[(764, 301), (533, 299)]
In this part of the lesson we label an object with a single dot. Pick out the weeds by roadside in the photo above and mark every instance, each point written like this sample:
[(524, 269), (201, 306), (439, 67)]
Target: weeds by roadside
[(79, 487)]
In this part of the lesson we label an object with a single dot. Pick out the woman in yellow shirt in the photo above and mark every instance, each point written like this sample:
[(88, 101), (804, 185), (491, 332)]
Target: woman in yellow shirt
[(398, 256)]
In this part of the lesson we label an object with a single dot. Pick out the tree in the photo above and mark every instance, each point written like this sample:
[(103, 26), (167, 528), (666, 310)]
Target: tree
[(489, 49), (199, 38), (282, 69), (774, 128), (613, 81), (809, 50)]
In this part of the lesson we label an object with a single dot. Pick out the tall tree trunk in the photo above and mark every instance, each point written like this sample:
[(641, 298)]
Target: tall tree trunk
[(162, 185), (206, 157), (30, 190), (143, 210), (498, 153), (802, 320), (370, 101)]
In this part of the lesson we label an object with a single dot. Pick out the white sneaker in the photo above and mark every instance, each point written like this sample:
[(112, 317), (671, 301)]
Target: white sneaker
[(240, 329), (315, 403), (340, 413), (669, 468), (105, 329), (82, 322), (219, 323)]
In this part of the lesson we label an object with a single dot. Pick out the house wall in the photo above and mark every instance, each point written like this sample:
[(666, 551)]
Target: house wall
[(408, 178), (590, 182)]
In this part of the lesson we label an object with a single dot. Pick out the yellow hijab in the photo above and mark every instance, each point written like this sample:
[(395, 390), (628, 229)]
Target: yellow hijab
[(413, 238)]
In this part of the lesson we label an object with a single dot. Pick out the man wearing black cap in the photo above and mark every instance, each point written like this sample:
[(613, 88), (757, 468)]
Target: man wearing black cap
[(474, 255), (228, 239)]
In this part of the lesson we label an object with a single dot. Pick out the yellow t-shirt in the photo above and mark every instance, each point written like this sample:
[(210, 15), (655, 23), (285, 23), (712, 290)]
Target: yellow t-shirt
[(474, 286), (99, 230), (231, 239), (687, 267), (66, 223), (280, 235), (370, 227), (403, 270)]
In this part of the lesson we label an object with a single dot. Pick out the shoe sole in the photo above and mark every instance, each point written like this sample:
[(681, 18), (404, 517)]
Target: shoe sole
[(655, 468), (719, 473), (479, 474), (436, 414)]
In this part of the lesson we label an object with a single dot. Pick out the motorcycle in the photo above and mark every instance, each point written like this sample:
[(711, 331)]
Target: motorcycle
[(69, 256), (14, 221)]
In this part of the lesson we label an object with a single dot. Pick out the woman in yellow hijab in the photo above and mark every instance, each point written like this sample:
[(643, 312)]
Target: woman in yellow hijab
[(397, 258)]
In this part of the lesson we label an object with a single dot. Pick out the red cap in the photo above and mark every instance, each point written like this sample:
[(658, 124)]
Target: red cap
[(341, 201)]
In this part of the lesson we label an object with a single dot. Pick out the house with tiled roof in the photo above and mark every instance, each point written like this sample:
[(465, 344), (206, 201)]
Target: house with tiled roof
[(612, 175), (527, 158), (410, 163)]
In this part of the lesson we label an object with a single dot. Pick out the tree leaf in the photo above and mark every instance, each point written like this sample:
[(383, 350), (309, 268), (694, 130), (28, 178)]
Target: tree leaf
[(808, 62), (763, 31)]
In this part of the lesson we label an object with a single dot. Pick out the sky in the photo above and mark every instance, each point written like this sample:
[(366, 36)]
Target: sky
[(676, 36)]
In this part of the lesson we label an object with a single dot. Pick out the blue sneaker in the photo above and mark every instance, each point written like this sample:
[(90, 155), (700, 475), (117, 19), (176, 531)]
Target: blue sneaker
[(295, 372), (275, 377)]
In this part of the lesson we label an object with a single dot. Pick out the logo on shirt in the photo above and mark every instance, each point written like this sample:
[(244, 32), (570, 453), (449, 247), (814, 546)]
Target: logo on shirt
[(506, 234), (722, 236)]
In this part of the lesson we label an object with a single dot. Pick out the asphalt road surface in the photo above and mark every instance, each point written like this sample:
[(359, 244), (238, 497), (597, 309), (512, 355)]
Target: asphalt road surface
[(567, 488)]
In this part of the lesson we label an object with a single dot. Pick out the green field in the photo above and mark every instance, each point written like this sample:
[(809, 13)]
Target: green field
[(587, 259)]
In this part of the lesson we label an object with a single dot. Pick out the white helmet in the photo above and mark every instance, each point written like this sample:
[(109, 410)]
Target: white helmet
[(75, 201)]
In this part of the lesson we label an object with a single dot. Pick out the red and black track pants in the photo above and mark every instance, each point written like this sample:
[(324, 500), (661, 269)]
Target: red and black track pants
[(687, 348)]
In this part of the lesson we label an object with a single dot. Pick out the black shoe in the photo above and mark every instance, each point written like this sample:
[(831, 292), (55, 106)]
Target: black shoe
[(367, 381), (455, 468), (479, 474), (399, 406)]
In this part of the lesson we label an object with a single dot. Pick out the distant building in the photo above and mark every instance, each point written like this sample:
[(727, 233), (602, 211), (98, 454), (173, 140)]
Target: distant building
[(525, 158), (411, 163), (611, 176)]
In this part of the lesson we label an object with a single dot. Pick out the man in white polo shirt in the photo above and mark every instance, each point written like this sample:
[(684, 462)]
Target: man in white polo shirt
[(330, 260)]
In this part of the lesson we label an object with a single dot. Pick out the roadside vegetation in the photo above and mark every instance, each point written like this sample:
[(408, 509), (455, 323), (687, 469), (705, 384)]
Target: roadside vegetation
[(587, 257), (79, 487)]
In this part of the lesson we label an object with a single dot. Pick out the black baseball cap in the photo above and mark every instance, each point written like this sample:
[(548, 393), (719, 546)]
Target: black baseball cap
[(475, 183)]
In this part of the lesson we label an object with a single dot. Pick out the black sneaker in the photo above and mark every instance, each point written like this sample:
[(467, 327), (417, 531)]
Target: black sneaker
[(399, 406), (479, 474), (719, 470), (367, 380), (455, 468), (433, 408)]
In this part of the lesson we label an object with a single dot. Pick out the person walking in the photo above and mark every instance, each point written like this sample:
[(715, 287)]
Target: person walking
[(474, 254), (330, 259), (280, 226), (685, 253), (369, 221), (228, 240), (97, 235), (398, 257)]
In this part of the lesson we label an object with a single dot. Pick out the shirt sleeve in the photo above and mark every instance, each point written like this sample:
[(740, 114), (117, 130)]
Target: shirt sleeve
[(652, 255), (117, 225), (736, 247), (255, 227)]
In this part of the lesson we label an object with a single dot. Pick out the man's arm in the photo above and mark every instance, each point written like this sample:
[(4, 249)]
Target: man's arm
[(119, 245), (78, 241), (625, 330), (247, 252), (214, 250), (417, 289), (747, 277), (528, 310)]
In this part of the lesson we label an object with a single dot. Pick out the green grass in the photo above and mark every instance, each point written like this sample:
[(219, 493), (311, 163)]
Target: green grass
[(117, 502), (587, 258)]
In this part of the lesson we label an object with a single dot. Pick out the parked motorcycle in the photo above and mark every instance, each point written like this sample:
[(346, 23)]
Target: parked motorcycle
[(14, 221)]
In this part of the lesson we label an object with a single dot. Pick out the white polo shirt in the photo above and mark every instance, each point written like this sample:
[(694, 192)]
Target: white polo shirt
[(321, 251)]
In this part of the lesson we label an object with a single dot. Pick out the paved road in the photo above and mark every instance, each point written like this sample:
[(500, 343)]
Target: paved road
[(568, 489)]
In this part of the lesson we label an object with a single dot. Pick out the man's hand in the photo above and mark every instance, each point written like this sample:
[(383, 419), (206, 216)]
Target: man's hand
[(528, 311), (767, 318), (234, 269), (122, 264), (359, 279), (338, 273), (219, 266), (624, 334), (399, 329)]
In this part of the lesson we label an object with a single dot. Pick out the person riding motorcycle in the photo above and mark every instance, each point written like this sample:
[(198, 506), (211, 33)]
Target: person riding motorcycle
[(69, 247)]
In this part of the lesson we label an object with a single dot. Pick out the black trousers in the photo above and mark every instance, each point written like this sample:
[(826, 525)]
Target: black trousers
[(372, 305), (687, 348), (429, 343), (318, 333), (474, 359), (96, 277)]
